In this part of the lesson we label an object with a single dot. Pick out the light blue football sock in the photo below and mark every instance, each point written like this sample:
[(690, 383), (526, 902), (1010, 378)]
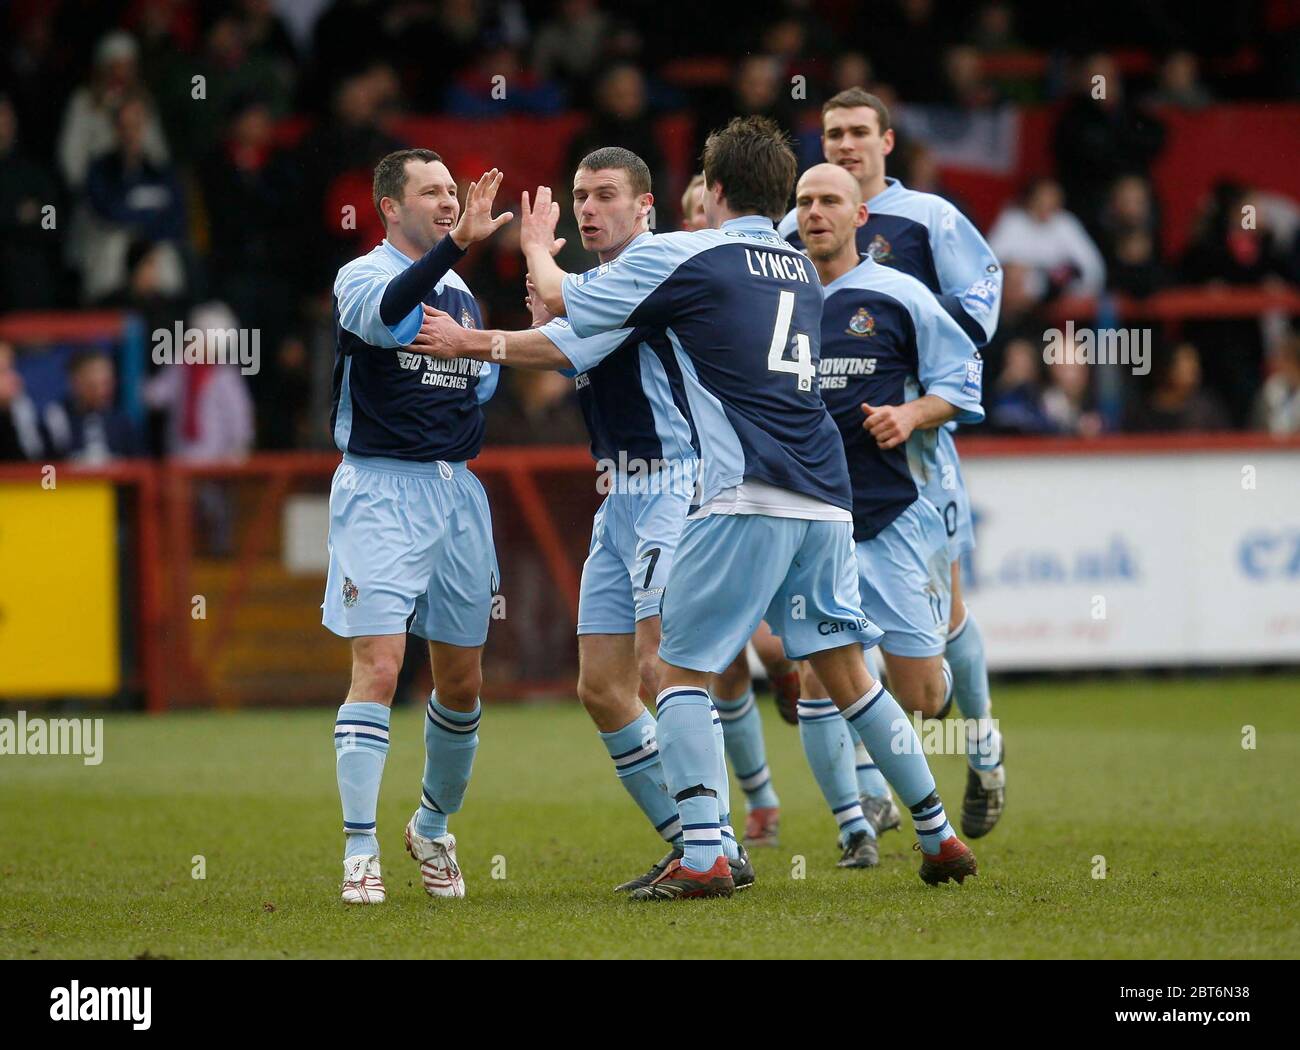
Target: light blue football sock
[(970, 681), (871, 782), (450, 741), (888, 734), (635, 751), (742, 728), (729, 845), (360, 747), (828, 746), (692, 760)]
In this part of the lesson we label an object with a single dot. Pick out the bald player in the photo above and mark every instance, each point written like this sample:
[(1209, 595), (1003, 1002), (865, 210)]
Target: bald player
[(925, 236), (893, 363)]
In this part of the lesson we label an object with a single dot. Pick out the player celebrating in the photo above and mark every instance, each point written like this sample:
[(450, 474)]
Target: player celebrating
[(643, 443), (924, 236), (771, 537), (410, 539), (891, 353)]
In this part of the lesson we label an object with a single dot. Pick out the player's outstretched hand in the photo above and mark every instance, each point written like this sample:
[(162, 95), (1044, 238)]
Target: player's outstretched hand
[(476, 221), (890, 425), (439, 335), (535, 305), (537, 226)]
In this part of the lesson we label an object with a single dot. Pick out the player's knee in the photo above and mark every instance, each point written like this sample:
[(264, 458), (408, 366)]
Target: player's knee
[(374, 674), (459, 687), (925, 696), (597, 695)]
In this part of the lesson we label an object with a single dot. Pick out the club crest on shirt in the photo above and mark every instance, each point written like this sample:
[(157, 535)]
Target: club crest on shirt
[(466, 321), (880, 249), (861, 324), (350, 592)]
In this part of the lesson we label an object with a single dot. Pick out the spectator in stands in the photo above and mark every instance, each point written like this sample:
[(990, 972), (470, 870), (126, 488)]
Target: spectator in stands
[(87, 426), (1134, 266), (20, 428), (208, 408), (499, 83), (1180, 401), (1130, 205), (916, 166), (994, 33), (89, 122), (1277, 408), (1233, 244), (1233, 241), (1069, 400), (1101, 136), (570, 45), (285, 398), (245, 190), (28, 247), (850, 69), (622, 118), (965, 85), (910, 36), (1016, 404), (756, 90), (1040, 234), (130, 196), (336, 163), (1180, 83)]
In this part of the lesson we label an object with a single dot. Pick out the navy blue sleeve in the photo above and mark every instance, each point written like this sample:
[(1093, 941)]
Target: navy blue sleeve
[(407, 290)]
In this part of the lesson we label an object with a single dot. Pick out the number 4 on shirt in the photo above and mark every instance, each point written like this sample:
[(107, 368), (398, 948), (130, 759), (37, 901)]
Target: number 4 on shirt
[(802, 365)]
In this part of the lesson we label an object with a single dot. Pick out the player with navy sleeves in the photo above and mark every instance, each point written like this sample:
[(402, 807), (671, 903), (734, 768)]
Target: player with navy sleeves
[(643, 445), (893, 362), (410, 538), (925, 236), (770, 536)]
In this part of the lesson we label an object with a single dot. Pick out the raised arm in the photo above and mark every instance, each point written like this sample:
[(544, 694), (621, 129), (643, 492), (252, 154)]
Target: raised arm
[(540, 245)]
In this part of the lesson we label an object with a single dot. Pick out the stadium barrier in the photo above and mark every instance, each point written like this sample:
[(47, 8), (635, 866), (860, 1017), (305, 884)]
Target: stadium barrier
[(199, 585)]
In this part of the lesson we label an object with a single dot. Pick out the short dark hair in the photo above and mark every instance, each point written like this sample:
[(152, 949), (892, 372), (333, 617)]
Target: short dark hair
[(390, 175), (638, 172), (854, 98), (752, 159)]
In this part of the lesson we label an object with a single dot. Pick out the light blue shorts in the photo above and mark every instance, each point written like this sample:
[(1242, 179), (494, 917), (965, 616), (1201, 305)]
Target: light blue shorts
[(946, 489), (410, 549), (733, 570), (905, 581), (633, 539)]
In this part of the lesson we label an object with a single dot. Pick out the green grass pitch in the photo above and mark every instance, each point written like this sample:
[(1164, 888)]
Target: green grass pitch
[(1201, 840)]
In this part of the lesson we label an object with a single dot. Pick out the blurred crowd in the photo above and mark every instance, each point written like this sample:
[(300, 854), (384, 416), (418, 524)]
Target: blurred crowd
[(186, 160)]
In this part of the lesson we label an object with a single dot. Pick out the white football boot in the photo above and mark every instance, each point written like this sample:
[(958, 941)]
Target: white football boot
[(438, 868), (362, 883)]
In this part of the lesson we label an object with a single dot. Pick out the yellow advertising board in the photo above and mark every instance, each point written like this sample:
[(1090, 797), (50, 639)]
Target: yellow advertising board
[(58, 589)]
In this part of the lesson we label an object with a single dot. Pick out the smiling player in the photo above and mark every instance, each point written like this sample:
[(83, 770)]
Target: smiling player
[(410, 538)]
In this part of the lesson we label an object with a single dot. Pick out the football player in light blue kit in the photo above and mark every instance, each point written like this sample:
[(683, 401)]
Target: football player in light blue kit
[(925, 236), (410, 539), (893, 362), (771, 533), (643, 444)]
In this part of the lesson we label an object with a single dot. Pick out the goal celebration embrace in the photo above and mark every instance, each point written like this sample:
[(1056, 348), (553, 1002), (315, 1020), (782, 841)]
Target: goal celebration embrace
[(794, 393)]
